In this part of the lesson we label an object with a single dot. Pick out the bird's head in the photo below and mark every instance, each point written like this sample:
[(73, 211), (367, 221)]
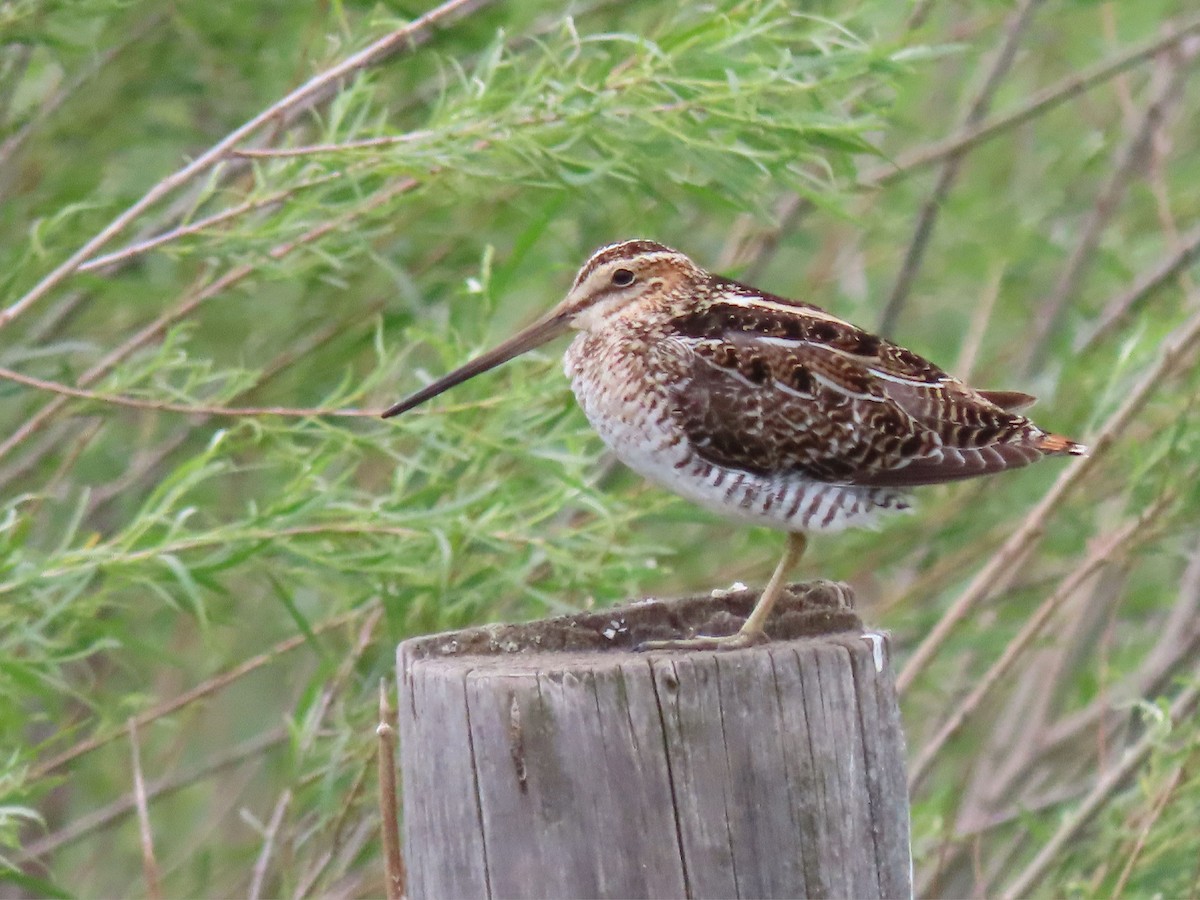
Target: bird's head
[(622, 278), (618, 279)]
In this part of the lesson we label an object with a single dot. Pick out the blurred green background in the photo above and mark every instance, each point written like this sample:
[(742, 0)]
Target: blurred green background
[(1007, 188)]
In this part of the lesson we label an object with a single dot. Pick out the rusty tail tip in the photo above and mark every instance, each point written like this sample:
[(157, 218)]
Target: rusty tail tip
[(1056, 443)]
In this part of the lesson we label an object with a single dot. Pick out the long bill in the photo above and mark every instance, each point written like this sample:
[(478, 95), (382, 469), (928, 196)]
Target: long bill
[(546, 329)]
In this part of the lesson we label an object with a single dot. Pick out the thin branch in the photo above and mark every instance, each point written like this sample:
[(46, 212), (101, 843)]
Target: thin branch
[(149, 862), (94, 557), (389, 812), (1121, 87), (54, 320), (304, 884), (308, 735), (1042, 101), (788, 214), (927, 218), (83, 825), (1024, 883), (63, 94), (1175, 263), (189, 303), (1160, 151), (1018, 757), (1160, 803), (1174, 349), (977, 330), (386, 140), (918, 15), (18, 65), (308, 94), (262, 864), (1128, 159), (1056, 796), (1178, 643), (199, 692), (1194, 891), (793, 208), (1103, 552), (133, 250), (299, 412), (143, 462)]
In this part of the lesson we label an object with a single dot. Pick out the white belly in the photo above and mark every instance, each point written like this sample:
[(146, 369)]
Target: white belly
[(630, 410)]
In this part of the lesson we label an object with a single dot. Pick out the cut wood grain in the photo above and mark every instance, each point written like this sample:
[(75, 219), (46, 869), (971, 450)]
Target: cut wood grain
[(554, 760)]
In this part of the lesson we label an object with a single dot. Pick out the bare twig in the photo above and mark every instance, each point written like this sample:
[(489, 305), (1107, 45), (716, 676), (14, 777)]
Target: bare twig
[(187, 408), (319, 711), (94, 557), (144, 462), (189, 303), (918, 15), (83, 825), (149, 863), (1042, 101), (1056, 796), (1022, 886), (17, 64), (973, 340), (386, 140), (1121, 86), (1174, 350), (1179, 642), (1160, 150), (788, 213), (308, 94), (262, 864), (54, 319), (1194, 892), (1160, 803), (1128, 159), (976, 111), (64, 93), (389, 812), (305, 883), (134, 250), (352, 880), (792, 208), (1175, 263), (1018, 771), (204, 689), (1115, 543)]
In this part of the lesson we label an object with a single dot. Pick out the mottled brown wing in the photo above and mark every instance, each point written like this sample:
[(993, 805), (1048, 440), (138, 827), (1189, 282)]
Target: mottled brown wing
[(1012, 401), (822, 399)]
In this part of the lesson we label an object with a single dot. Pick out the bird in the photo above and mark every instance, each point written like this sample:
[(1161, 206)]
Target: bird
[(762, 409)]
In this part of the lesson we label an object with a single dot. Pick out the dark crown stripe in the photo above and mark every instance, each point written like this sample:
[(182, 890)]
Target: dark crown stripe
[(623, 250)]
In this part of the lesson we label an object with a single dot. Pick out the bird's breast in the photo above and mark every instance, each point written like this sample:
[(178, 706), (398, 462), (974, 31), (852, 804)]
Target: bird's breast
[(627, 387), (624, 389)]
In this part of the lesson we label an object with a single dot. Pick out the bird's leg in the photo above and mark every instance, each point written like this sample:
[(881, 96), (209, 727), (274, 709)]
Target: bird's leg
[(792, 551), (751, 631)]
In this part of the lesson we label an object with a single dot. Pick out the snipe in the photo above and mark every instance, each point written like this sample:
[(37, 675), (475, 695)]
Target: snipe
[(766, 410)]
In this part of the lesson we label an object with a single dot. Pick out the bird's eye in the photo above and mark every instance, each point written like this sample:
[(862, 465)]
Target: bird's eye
[(622, 278)]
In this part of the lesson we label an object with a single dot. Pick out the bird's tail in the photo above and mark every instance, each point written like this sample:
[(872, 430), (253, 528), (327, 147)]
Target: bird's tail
[(1057, 444)]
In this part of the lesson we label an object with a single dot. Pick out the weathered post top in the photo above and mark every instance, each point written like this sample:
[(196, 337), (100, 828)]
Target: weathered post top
[(552, 759)]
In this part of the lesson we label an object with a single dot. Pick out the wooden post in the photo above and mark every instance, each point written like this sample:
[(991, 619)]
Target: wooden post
[(553, 760)]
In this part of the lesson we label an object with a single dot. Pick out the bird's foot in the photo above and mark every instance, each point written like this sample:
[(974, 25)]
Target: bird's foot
[(736, 641)]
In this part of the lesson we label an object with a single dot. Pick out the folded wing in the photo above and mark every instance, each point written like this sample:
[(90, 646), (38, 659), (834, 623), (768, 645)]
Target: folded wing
[(787, 390)]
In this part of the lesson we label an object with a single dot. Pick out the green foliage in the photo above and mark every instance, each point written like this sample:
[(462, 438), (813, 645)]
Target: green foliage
[(269, 559)]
